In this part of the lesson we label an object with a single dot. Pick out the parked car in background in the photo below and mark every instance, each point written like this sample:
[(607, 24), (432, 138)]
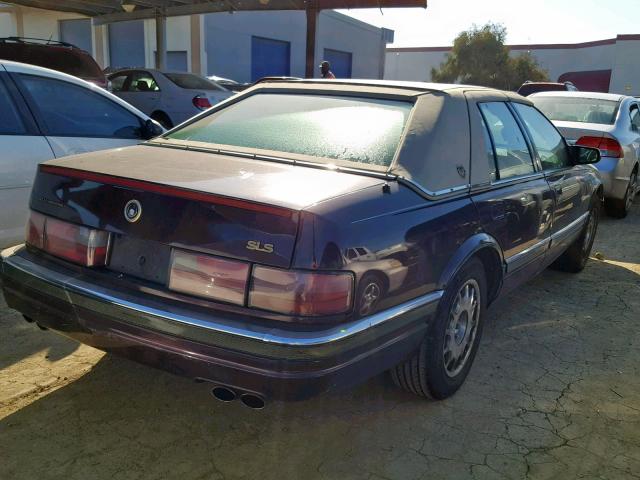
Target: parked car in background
[(228, 83), (528, 88), (609, 122), (236, 262), (46, 114), (59, 56), (169, 98)]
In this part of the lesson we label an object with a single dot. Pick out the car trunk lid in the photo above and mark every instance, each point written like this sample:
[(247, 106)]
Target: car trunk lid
[(572, 131), (220, 204)]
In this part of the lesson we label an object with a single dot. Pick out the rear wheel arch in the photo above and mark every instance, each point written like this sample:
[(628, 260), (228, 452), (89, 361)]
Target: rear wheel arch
[(163, 118), (488, 251)]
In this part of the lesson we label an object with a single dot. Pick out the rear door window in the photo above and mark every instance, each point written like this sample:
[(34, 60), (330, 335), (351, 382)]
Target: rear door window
[(10, 120), (547, 141), (69, 110), (143, 82), (634, 115), (512, 154)]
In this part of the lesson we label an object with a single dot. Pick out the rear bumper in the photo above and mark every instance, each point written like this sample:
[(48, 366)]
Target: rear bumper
[(276, 363)]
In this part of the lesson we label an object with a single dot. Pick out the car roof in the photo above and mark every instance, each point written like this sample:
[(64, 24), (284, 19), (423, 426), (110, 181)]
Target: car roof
[(367, 86), (616, 97)]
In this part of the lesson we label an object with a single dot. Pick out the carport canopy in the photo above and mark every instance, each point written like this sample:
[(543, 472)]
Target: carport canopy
[(109, 11)]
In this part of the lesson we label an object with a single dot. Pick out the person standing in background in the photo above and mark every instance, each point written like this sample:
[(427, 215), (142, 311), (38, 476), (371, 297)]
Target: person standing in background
[(325, 70)]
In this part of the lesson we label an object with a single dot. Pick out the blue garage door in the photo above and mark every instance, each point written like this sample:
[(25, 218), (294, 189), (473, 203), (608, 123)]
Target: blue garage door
[(270, 58), (126, 44), (340, 62), (77, 32)]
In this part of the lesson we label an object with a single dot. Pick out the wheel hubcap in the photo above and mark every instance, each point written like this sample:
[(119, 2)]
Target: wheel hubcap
[(370, 296), (461, 330)]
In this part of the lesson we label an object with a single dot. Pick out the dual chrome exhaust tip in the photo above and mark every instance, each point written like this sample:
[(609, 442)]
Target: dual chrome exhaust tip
[(226, 394)]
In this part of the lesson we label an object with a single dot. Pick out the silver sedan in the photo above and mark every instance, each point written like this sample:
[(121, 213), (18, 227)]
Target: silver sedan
[(169, 98), (609, 122)]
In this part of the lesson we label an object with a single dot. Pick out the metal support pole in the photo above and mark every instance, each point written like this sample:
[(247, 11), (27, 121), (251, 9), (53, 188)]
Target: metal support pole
[(161, 41), (312, 23)]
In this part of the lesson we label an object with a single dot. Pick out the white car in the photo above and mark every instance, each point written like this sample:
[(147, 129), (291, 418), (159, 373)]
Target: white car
[(46, 114)]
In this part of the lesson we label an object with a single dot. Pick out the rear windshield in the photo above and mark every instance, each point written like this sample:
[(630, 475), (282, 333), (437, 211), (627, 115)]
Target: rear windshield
[(192, 82), (585, 110), (354, 129)]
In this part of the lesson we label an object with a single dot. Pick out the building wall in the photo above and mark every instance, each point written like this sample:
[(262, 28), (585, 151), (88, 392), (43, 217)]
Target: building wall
[(363, 41), (620, 55), (228, 40), (225, 39)]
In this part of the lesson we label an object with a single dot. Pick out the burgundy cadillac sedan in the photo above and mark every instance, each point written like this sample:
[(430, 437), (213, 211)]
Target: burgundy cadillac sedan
[(307, 235)]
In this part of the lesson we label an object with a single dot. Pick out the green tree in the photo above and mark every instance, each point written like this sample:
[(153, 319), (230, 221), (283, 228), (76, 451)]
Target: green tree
[(480, 57)]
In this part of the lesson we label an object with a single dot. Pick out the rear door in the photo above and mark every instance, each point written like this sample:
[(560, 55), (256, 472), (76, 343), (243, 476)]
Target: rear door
[(142, 91), (77, 119), (569, 184), (517, 207), (22, 148)]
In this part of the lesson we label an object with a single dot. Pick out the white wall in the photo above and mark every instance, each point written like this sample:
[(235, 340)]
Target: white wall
[(625, 78), (178, 38), (412, 65), (620, 55), (7, 25)]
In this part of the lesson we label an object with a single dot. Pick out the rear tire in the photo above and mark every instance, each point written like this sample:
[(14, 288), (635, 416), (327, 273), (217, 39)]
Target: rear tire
[(441, 364), (575, 257), (620, 208), (163, 119)]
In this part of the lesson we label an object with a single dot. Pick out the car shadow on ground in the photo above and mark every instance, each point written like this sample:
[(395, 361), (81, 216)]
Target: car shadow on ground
[(21, 340), (123, 420)]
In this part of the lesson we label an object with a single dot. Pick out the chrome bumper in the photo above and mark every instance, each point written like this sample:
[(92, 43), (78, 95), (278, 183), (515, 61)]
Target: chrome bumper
[(22, 274)]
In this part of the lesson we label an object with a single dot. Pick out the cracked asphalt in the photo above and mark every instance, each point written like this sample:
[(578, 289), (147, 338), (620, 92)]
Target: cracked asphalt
[(554, 394)]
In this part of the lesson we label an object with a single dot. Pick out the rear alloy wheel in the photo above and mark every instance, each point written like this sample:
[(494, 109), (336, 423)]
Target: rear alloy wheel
[(441, 365), (620, 208), (575, 257)]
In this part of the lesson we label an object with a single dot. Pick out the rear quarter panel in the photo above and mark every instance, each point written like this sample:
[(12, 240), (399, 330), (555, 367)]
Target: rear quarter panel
[(412, 239)]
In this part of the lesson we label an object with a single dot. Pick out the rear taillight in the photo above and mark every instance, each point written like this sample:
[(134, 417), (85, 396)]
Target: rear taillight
[(608, 147), (288, 292), (78, 244), (35, 230), (208, 276), (300, 293), (201, 102)]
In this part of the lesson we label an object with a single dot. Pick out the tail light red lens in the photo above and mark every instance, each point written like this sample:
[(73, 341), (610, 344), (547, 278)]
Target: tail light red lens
[(609, 147), (201, 102), (35, 230), (301, 293), (78, 244), (208, 276)]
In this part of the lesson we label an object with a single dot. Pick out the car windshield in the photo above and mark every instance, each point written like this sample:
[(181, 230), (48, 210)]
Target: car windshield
[(192, 82), (577, 109), (354, 129)]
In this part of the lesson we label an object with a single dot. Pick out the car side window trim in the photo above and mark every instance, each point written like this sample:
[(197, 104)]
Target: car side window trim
[(537, 164), (529, 139), (16, 96), (516, 178)]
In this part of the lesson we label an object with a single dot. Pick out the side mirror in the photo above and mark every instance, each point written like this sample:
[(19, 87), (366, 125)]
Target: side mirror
[(151, 129), (584, 155)]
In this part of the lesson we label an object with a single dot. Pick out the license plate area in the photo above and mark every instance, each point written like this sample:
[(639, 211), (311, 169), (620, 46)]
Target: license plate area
[(143, 259)]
